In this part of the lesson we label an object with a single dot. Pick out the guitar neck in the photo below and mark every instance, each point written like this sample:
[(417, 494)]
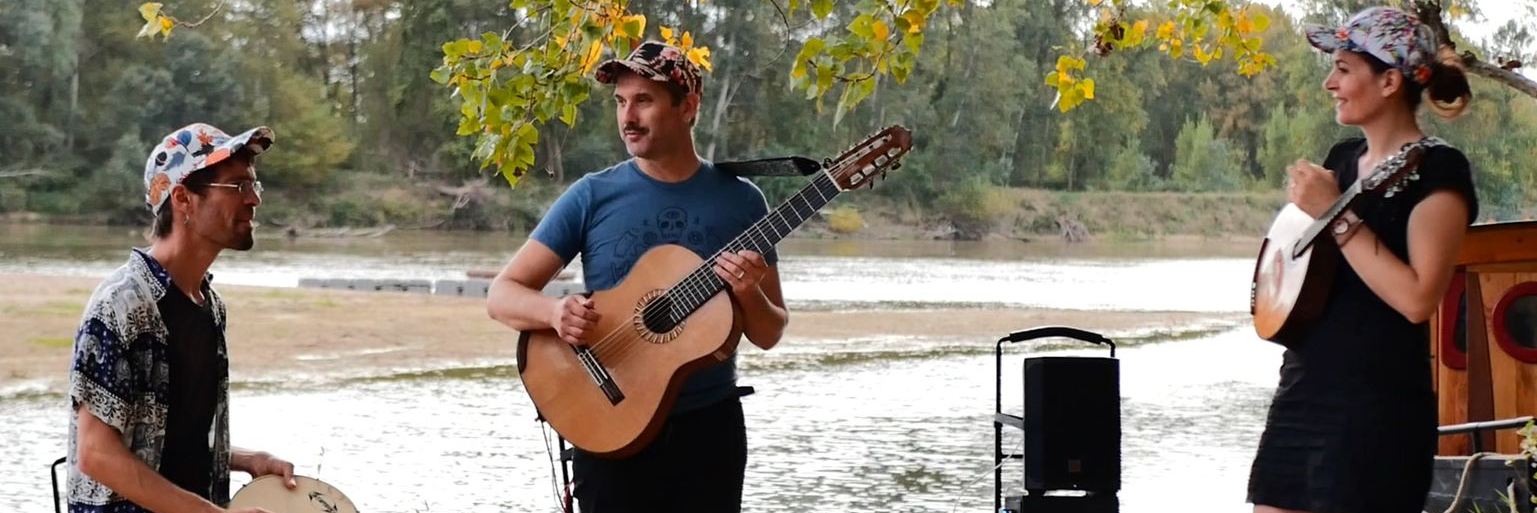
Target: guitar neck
[(700, 285)]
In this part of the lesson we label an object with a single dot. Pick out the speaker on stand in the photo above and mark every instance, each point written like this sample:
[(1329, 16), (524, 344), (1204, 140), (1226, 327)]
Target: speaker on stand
[(1071, 423)]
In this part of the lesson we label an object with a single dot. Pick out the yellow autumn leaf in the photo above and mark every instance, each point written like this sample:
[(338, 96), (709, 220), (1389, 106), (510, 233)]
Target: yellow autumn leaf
[(915, 21), (688, 40), (667, 35), (701, 57), (1455, 11), (1166, 30), (1135, 35), (1065, 63), (150, 11), (149, 29), (881, 30), (1245, 25), (1200, 55), (594, 51), (1087, 87), (166, 24), (1094, 2)]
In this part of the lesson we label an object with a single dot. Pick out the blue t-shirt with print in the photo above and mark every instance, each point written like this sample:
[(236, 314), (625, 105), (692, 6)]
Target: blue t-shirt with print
[(614, 216)]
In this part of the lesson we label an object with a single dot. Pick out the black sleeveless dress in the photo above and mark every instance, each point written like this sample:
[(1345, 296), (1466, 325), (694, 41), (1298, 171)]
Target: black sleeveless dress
[(1352, 427)]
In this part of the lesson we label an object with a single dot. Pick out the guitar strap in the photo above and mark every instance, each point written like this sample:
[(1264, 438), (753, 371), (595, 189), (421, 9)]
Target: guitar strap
[(780, 166), (1426, 143)]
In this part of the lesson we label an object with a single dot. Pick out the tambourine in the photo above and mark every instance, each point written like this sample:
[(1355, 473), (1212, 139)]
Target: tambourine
[(311, 496)]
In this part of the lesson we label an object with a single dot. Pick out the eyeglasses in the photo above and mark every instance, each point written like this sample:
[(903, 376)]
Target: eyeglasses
[(244, 186)]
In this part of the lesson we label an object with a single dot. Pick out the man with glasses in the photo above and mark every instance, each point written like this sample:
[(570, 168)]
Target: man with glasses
[(149, 383)]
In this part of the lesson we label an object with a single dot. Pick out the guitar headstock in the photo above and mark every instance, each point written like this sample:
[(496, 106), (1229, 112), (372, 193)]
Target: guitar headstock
[(1394, 169), (872, 158)]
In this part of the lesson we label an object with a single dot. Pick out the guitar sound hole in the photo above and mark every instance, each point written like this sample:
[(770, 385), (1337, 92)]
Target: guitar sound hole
[(657, 316)]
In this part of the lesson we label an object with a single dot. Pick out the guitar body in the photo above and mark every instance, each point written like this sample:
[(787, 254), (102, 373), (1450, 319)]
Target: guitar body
[(1289, 291), (648, 368), (668, 319)]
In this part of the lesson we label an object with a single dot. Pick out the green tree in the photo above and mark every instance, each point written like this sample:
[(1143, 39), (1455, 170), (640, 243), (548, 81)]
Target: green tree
[(1204, 162)]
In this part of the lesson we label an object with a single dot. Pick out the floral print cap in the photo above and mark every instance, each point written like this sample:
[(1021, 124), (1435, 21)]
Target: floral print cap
[(1391, 35), (657, 61), (191, 148)]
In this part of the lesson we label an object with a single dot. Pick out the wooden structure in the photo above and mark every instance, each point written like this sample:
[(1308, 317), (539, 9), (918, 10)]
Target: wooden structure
[(1483, 339)]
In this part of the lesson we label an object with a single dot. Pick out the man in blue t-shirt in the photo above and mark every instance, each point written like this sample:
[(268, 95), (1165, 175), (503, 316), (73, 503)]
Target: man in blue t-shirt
[(665, 195)]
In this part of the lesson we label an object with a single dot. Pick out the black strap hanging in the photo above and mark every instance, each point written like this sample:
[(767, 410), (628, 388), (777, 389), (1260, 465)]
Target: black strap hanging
[(780, 166)]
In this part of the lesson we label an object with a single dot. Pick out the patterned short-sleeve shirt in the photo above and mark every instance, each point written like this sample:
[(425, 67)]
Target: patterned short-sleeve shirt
[(121, 373)]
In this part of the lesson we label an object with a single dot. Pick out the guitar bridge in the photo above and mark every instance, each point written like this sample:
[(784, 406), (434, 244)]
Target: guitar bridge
[(598, 374)]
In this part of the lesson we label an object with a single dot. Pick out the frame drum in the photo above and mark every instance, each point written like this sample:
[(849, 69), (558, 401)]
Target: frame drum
[(311, 496)]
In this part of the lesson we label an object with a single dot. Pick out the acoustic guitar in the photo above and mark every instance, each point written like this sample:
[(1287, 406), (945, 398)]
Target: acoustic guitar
[(669, 318), (1297, 261)]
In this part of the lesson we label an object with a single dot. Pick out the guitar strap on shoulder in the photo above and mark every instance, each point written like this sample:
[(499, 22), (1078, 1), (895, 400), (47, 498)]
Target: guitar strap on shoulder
[(780, 166), (1426, 143)]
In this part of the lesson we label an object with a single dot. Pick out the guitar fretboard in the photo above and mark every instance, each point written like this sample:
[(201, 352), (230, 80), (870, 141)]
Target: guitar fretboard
[(702, 284)]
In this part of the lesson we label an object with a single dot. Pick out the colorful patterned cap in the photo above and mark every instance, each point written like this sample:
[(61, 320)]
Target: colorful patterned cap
[(191, 148), (657, 61), (1392, 36)]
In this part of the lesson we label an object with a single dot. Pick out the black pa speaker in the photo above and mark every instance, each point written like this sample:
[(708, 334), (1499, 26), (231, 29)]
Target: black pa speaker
[(1072, 422)]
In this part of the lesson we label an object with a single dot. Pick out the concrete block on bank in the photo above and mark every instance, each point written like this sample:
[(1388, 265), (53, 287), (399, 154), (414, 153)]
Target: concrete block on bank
[(448, 288), (564, 288), (476, 288), (413, 286)]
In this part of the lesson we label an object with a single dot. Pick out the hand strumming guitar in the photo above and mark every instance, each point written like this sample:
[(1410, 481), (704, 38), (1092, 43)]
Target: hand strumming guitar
[(1312, 188), (574, 319)]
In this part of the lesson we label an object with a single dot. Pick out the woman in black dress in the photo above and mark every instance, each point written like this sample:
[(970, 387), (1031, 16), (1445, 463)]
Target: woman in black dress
[(1352, 428)]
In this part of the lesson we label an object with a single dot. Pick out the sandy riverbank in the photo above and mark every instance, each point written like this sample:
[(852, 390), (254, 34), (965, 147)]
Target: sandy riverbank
[(279, 332)]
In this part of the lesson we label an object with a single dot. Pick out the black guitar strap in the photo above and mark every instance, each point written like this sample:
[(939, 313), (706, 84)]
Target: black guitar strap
[(780, 166)]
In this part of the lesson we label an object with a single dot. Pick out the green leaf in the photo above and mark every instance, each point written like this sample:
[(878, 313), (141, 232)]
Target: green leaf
[(914, 42), (809, 51), (633, 28), (1261, 22), (863, 26), (568, 114), (901, 67), (467, 126), (821, 8), (825, 76)]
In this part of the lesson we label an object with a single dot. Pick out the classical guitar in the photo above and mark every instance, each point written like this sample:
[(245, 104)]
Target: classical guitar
[(1297, 261), (669, 318)]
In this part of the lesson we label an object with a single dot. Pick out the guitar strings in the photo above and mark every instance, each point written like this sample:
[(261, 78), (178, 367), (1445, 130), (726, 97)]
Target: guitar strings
[(615, 347)]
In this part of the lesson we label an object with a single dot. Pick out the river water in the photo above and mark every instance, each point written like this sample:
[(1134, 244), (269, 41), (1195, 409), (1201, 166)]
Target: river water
[(883, 423)]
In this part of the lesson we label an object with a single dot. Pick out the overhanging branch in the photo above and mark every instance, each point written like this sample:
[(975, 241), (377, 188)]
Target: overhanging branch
[(1429, 13)]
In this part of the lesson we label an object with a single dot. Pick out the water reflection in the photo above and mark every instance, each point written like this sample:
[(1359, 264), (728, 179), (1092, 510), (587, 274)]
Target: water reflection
[(910, 432)]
